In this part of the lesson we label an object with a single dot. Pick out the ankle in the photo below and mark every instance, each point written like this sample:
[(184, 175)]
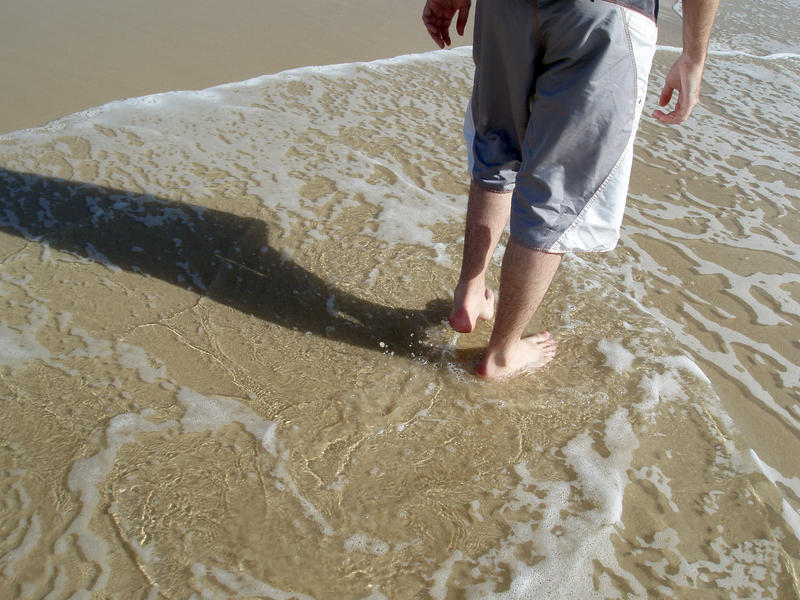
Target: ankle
[(470, 287)]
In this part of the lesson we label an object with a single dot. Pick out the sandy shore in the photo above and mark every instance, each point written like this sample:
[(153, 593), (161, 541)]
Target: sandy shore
[(59, 58), (224, 360)]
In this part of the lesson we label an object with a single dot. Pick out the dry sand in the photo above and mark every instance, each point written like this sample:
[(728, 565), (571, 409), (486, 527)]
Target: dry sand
[(57, 58)]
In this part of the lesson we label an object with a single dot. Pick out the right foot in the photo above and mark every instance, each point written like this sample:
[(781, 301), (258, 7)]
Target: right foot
[(467, 311), (530, 353)]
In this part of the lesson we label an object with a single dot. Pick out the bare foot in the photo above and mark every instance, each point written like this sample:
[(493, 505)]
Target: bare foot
[(529, 353), (467, 311)]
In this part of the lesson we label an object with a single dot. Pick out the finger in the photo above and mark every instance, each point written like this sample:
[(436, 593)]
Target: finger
[(461, 23), (668, 119), (687, 100), (685, 105), (433, 31), (437, 39), (666, 95), (674, 117), (445, 29), (680, 114)]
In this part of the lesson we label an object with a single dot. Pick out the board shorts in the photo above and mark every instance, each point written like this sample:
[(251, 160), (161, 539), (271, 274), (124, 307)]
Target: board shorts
[(559, 89)]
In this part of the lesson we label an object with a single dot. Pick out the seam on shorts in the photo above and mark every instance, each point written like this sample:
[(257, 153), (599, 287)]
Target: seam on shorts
[(590, 202), (631, 7)]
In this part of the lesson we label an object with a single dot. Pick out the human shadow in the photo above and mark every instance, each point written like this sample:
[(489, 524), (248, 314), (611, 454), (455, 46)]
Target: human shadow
[(223, 256)]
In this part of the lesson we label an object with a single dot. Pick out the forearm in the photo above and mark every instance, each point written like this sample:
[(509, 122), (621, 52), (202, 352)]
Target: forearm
[(698, 18)]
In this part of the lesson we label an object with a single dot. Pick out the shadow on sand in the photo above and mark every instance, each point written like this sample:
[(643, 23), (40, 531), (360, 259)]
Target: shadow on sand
[(220, 255)]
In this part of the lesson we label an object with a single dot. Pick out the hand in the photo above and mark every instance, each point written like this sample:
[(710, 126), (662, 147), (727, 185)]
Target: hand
[(438, 14), (684, 77)]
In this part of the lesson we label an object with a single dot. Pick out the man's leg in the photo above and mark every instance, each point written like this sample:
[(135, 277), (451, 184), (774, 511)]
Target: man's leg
[(524, 279), (487, 215)]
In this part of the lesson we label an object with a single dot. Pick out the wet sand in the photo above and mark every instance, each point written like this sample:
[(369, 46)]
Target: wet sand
[(225, 365), (56, 58)]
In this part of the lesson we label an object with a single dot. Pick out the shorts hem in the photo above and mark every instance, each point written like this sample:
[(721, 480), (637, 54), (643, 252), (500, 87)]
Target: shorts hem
[(502, 188), (562, 251)]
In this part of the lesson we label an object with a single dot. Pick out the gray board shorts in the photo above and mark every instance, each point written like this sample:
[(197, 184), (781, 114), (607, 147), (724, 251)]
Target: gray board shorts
[(559, 89)]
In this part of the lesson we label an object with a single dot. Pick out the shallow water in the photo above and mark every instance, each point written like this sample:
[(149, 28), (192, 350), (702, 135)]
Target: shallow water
[(226, 370)]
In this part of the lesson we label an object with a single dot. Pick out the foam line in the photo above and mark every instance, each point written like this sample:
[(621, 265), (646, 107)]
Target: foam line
[(774, 56)]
